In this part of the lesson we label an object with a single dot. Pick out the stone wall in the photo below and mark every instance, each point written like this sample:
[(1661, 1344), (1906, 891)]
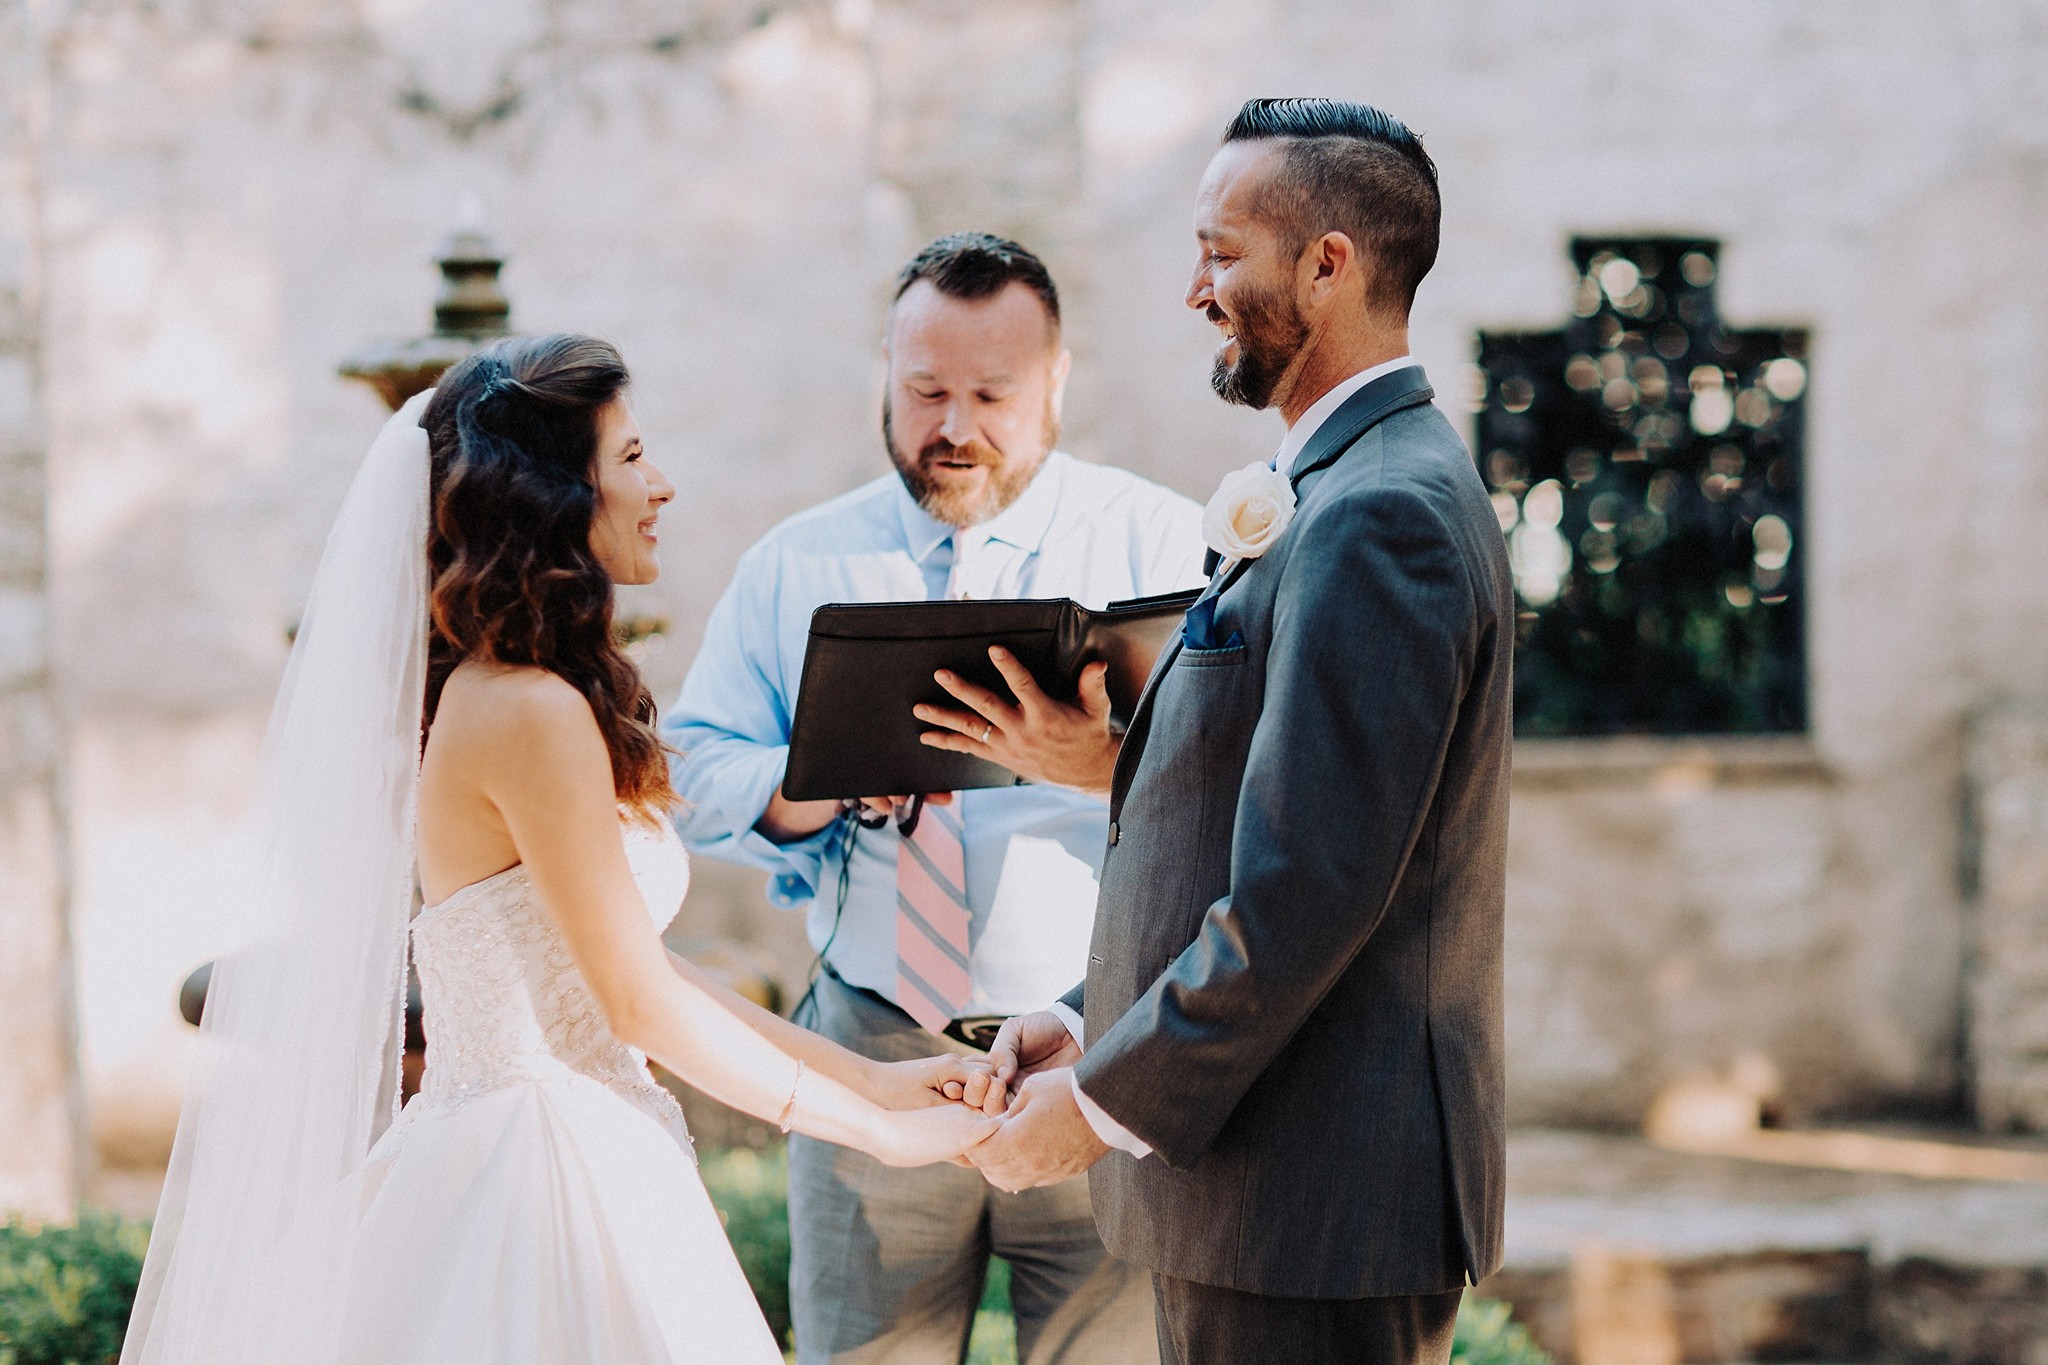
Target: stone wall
[(2008, 947), (40, 1121), (1792, 916), (238, 195)]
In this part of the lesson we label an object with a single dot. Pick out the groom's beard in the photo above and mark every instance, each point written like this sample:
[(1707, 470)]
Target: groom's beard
[(1270, 333), (1009, 475)]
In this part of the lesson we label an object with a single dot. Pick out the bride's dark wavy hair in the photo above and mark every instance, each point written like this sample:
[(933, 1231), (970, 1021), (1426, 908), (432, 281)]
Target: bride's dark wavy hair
[(512, 434)]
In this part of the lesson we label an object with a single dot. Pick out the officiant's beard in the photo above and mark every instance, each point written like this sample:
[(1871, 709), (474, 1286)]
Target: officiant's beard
[(1010, 474), (1270, 333)]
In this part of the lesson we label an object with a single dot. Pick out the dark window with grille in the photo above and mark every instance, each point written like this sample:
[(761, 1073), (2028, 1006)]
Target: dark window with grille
[(1645, 462)]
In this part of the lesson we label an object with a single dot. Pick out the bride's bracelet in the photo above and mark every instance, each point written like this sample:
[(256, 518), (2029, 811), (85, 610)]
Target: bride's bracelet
[(788, 1114)]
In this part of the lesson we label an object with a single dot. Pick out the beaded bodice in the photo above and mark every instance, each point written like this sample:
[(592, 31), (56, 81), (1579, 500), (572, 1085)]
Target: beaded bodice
[(504, 1001)]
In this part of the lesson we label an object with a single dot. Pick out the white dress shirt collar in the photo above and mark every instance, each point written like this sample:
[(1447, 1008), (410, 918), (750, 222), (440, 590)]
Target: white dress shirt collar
[(1298, 435), (1023, 523)]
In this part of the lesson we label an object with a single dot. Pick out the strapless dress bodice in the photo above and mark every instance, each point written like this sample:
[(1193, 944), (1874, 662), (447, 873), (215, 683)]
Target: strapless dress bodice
[(536, 1203), (505, 1002)]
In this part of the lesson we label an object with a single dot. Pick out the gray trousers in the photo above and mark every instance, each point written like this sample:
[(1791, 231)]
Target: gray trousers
[(1200, 1324), (887, 1265)]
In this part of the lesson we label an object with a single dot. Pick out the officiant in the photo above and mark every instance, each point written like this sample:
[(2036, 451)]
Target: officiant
[(930, 933)]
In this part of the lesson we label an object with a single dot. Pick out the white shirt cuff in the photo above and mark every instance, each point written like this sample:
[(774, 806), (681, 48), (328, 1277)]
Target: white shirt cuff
[(1106, 1128), (1075, 1028)]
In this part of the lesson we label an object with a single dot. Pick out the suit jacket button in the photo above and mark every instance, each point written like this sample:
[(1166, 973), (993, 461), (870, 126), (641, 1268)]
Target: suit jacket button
[(1114, 833)]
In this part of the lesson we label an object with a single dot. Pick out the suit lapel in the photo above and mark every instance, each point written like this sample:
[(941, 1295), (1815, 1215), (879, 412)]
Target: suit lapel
[(1141, 724), (1404, 388)]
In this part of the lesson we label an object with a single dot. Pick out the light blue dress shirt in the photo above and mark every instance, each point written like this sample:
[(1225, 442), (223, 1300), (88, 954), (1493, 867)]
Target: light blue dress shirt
[(1081, 530)]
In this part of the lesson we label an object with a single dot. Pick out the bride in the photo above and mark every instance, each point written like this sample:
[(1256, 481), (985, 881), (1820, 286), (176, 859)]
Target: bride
[(456, 709)]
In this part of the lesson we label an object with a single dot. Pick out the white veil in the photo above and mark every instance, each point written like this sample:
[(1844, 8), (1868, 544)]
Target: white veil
[(300, 1044)]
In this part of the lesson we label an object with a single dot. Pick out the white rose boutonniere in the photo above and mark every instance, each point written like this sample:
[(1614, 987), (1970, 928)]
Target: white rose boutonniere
[(1249, 512)]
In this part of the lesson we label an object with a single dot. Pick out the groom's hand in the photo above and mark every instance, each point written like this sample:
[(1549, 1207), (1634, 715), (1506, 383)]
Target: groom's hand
[(1040, 739), (1044, 1139), (1026, 1045)]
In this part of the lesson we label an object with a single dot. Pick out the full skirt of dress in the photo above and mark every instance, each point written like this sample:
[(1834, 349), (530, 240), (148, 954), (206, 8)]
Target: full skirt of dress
[(544, 1222)]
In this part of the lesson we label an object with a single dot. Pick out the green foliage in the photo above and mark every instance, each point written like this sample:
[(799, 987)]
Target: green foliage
[(1487, 1336), (994, 1341), (65, 1292), (751, 1191)]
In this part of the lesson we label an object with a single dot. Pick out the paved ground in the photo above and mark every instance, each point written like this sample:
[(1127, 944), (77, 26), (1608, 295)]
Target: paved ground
[(1566, 1189), (1569, 1189), (1620, 1252)]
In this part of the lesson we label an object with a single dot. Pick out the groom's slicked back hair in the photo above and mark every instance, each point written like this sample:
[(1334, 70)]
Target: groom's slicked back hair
[(1357, 170), (980, 265)]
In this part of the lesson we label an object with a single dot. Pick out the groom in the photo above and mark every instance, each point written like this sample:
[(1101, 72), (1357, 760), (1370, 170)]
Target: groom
[(1293, 1002)]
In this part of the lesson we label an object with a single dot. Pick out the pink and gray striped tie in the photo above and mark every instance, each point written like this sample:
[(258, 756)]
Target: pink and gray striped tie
[(932, 919)]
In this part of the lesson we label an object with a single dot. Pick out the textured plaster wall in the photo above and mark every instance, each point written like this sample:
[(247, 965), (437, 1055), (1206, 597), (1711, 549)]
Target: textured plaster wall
[(238, 195), (40, 1120), (2007, 758), (1878, 172)]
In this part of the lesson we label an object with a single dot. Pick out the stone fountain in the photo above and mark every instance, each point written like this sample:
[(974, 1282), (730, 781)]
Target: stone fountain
[(470, 310)]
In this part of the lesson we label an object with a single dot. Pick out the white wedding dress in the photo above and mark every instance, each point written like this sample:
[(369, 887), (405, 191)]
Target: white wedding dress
[(538, 1203)]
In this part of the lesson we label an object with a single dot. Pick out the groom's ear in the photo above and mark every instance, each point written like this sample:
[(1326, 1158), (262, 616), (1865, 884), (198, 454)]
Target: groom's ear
[(1330, 268), (1060, 369)]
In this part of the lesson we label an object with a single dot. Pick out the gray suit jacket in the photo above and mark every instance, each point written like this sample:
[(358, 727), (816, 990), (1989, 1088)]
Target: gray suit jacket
[(1294, 989)]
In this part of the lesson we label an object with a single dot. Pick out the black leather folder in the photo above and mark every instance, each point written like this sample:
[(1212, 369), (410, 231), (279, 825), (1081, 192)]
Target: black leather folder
[(868, 663)]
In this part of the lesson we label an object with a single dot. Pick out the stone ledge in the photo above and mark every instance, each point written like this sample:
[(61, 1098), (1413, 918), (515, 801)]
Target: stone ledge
[(1622, 1251), (2006, 777), (1636, 760)]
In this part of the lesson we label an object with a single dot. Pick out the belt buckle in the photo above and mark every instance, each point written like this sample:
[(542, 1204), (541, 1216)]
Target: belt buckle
[(979, 1034)]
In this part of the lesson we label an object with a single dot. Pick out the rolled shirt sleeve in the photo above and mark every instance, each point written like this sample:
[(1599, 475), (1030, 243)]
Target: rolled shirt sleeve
[(730, 726)]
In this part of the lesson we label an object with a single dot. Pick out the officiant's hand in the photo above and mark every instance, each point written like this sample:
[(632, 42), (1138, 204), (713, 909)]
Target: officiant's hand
[(1027, 1045), (1043, 1140), (786, 821), (1040, 739)]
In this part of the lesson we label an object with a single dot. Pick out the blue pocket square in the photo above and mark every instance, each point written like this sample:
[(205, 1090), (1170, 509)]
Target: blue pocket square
[(1198, 631)]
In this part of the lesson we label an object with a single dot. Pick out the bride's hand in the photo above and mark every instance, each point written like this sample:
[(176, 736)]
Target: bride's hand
[(920, 1137), (927, 1081)]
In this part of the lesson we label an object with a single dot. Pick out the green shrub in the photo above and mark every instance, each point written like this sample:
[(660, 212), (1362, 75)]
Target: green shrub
[(751, 1191), (994, 1341), (1486, 1336), (65, 1292)]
